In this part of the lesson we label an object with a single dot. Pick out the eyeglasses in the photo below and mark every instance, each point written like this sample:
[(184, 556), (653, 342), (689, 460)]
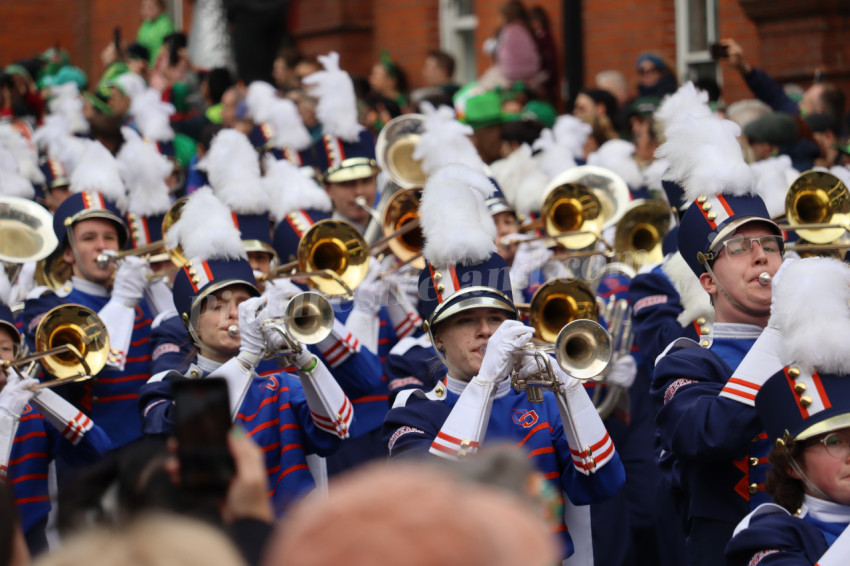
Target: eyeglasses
[(741, 245), (837, 444)]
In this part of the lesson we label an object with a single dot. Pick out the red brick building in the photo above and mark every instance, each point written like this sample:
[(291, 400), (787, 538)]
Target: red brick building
[(790, 39)]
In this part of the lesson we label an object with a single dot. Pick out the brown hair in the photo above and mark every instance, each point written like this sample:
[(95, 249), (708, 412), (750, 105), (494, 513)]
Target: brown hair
[(786, 490)]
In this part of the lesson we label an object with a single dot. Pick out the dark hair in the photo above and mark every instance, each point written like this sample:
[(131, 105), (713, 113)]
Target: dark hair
[(8, 525), (397, 73), (521, 131), (514, 11), (786, 490), (605, 98), (444, 61), (710, 86), (833, 99), (218, 81), (537, 13), (207, 134), (290, 55)]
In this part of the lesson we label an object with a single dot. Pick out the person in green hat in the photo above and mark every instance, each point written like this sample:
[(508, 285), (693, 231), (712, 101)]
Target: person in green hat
[(156, 24), (484, 114)]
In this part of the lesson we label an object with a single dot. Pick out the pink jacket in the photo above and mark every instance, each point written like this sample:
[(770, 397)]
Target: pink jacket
[(517, 54)]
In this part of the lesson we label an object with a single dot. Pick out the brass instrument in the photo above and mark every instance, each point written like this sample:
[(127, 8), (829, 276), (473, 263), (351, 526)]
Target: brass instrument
[(558, 302), (175, 255), (581, 203), (582, 349), (332, 254), (640, 232), (394, 149), (619, 318), (72, 344), (307, 319), (401, 211), (26, 234), (817, 207)]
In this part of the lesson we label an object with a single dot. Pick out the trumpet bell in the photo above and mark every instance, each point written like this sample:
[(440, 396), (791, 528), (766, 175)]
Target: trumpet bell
[(640, 232), (309, 318), (79, 327), (338, 246), (583, 349), (818, 197), (558, 302), (403, 207), (26, 231), (585, 198), (394, 150)]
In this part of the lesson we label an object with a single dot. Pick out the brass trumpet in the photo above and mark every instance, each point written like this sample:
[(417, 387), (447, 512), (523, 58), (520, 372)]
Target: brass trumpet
[(582, 349), (307, 319), (72, 344)]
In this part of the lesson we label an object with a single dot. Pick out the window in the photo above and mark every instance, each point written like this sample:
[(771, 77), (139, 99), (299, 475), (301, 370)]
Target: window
[(696, 30), (457, 36)]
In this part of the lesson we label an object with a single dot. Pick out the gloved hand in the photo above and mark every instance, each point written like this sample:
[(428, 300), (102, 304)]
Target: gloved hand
[(774, 284), (623, 371), (131, 279), (501, 347), (16, 394), (252, 313), (372, 292), (529, 256), (405, 280), (278, 292)]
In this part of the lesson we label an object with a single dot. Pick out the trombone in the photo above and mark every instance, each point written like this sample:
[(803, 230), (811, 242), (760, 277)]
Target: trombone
[(72, 344), (817, 207)]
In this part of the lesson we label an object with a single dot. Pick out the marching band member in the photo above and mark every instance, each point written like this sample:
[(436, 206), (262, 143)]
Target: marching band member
[(805, 408), (705, 390), (345, 154), (87, 224), (472, 321), (36, 427), (288, 417)]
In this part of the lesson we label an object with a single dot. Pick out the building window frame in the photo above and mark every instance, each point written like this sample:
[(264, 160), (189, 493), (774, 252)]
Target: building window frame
[(695, 63), (458, 23)]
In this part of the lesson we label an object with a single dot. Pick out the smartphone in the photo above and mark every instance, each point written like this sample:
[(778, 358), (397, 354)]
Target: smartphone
[(719, 51), (202, 423)]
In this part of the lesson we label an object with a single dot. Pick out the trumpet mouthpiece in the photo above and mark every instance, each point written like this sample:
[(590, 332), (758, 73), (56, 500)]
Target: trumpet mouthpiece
[(233, 330), (765, 278)]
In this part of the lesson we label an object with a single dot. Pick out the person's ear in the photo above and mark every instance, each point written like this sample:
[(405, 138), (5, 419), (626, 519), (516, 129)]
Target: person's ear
[(708, 283)]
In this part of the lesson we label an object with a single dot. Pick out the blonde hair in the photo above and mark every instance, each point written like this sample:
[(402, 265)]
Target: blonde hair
[(157, 539)]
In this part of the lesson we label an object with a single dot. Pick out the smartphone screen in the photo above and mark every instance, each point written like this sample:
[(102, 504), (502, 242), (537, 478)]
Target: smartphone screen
[(202, 423), (719, 51)]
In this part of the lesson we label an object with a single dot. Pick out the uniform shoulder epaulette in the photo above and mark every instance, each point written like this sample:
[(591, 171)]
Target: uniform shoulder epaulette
[(677, 344), (162, 317), (763, 509), (438, 393), (405, 344)]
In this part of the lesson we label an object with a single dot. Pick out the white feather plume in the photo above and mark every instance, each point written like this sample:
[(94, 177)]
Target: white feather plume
[(152, 115), (97, 172), (814, 336), (696, 303), (444, 141), (144, 171), (132, 84), (571, 133), (337, 106), (257, 98), (527, 183), (205, 229), (771, 178), (233, 169), (290, 190), (12, 184), (5, 289), (653, 174), (552, 158), (705, 157), (290, 130), (687, 101), (457, 226), (616, 155), (66, 101), (24, 152)]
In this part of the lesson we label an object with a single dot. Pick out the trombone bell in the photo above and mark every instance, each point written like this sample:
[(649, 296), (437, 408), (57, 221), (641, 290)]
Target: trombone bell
[(337, 246), (79, 327), (402, 208), (394, 149), (818, 197), (641, 231), (26, 231), (558, 302)]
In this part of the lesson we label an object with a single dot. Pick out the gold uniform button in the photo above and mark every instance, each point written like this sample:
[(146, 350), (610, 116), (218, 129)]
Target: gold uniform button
[(753, 489), (441, 288), (805, 401), (439, 390), (793, 372), (712, 215), (799, 388), (95, 400), (704, 343), (701, 321), (438, 276), (754, 462), (701, 199), (706, 206), (704, 330)]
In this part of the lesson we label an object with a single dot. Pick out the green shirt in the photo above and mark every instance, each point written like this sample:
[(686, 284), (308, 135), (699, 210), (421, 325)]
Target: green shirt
[(153, 32)]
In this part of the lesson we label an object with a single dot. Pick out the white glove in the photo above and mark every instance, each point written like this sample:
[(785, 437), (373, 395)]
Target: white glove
[(131, 279), (501, 347), (529, 256), (372, 292), (16, 394), (623, 371), (252, 313)]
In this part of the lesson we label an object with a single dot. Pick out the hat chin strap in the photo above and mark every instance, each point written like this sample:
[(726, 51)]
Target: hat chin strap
[(813, 489), (77, 259), (732, 300)]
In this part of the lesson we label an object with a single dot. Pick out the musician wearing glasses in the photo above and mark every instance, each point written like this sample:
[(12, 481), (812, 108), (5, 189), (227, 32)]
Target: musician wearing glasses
[(36, 427), (217, 299), (473, 324), (87, 224), (805, 408)]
